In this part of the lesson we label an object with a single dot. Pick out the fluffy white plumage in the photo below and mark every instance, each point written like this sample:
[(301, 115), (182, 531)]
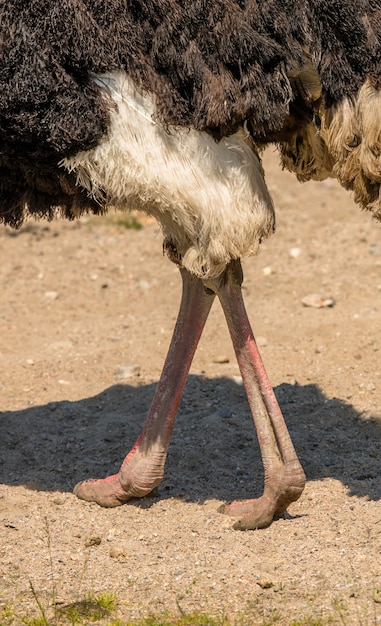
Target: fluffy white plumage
[(210, 197)]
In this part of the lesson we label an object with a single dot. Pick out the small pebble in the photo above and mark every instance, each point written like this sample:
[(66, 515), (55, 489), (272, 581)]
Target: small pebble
[(318, 301), (238, 380), (377, 596), (51, 295), (58, 501), (261, 342), (265, 583), (126, 371), (117, 552), (93, 541), (222, 358), (368, 387), (295, 252)]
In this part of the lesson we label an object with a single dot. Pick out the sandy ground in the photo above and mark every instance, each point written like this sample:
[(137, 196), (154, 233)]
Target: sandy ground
[(87, 311)]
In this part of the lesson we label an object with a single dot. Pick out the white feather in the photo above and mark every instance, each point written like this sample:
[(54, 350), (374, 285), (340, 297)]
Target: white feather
[(210, 197)]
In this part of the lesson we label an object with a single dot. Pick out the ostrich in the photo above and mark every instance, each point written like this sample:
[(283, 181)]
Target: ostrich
[(165, 106)]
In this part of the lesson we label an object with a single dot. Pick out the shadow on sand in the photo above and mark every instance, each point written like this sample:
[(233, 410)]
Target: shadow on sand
[(214, 451)]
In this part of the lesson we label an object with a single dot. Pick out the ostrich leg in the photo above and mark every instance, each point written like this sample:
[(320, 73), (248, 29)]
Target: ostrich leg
[(143, 468), (284, 476)]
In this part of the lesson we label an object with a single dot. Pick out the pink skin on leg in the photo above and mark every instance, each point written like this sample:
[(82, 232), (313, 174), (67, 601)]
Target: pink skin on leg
[(284, 476), (143, 468)]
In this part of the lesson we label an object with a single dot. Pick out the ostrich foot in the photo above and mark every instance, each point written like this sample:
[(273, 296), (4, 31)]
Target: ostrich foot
[(138, 476), (260, 512), (143, 468), (284, 476)]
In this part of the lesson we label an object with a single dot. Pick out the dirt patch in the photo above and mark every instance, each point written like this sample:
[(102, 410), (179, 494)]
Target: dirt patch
[(87, 311)]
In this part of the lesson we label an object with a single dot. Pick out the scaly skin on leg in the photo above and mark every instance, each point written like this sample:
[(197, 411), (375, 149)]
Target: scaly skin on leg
[(143, 468), (284, 476)]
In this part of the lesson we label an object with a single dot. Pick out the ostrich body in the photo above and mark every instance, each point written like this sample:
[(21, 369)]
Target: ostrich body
[(165, 106)]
